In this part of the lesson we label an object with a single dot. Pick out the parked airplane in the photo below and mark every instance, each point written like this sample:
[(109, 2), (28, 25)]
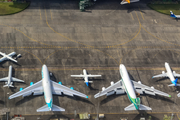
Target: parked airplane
[(85, 76), (169, 74), (128, 1), (48, 87), (9, 80), (126, 85), (173, 15), (7, 57)]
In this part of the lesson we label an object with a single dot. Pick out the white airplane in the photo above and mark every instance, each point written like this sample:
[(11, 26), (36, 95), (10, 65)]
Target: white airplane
[(9, 80), (169, 74), (7, 57), (85, 76), (47, 87), (173, 15), (128, 1), (131, 88)]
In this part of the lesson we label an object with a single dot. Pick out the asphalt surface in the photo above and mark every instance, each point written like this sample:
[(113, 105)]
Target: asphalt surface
[(57, 34)]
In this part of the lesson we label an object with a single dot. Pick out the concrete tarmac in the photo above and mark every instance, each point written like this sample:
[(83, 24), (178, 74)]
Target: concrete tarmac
[(57, 34)]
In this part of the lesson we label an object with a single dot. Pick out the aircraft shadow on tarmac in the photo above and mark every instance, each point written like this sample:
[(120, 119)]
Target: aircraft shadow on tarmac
[(110, 98), (144, 114), (1, 63)]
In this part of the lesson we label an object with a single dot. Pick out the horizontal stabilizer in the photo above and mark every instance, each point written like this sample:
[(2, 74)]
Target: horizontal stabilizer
[(141, 107), (178, 94), (45, 108), (130, 107), (177, 84), (8, 86), (171, 85)]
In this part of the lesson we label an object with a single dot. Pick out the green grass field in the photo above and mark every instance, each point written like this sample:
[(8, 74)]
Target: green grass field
[(7, 8), (165, 8)]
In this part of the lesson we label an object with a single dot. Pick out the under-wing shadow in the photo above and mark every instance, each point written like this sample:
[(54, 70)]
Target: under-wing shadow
[(110, 98), (164, 78), (91, 88), (159, 97), (52, 77), (27, 98), (12, 89), (1, 102), (77, 98), (57, 116), (144, 114)]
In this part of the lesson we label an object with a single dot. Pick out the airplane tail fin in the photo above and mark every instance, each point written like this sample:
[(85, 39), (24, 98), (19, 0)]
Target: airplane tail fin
[(174, 83), (45, 108), (141, 107), (172, 14)]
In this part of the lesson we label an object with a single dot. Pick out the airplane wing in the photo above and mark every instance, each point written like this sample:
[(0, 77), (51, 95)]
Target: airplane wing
[(148, 90), (116, 87), (58, 88), (94, 75), (160, 75), (4, 79), (16, 80), (36, 88), (11, 59), (176, 75), (2, 59), (77, 75), (12, 54)]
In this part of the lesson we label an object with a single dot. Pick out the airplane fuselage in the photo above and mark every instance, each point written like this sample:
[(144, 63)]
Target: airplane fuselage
[(128, 86), (9, 76), (85, 74), (47, 87), (169, 72)]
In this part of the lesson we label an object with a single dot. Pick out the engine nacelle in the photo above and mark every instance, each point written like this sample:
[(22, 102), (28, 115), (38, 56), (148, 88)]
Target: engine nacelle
[(139, 82), (72, 88), (103, 88), (163, 72), (20, 89), (174, 72), (31, 83), (152, 87), (60, 83), (112, 83)]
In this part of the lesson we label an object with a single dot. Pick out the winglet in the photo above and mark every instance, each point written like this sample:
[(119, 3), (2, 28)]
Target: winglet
[(153, 77), (8, 98), (86, 96), (169, 95)]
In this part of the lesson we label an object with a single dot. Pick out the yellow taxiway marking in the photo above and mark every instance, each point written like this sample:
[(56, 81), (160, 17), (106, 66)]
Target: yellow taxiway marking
[(40, 13), (125, 113), (51, 15), (132, 16), (141, 13), (93, 68)]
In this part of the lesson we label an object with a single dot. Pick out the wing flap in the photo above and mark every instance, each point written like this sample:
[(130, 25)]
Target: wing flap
[(57, 87), (160, 75), (4, 79), (149, 90), (16, 80), (113, 88), (28, 91), (176, 75)]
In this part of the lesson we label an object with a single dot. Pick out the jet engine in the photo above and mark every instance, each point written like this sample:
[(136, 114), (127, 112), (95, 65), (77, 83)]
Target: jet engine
[(163, 72), (139, 82), (103, 88), (112, 83)]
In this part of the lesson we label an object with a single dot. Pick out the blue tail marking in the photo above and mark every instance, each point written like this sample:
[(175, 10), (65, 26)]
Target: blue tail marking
[(87, 83), (173, 15), (175, 81)]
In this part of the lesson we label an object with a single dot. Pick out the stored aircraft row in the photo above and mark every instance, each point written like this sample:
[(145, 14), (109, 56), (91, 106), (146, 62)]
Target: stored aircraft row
[(48, 87), (125, 85)]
